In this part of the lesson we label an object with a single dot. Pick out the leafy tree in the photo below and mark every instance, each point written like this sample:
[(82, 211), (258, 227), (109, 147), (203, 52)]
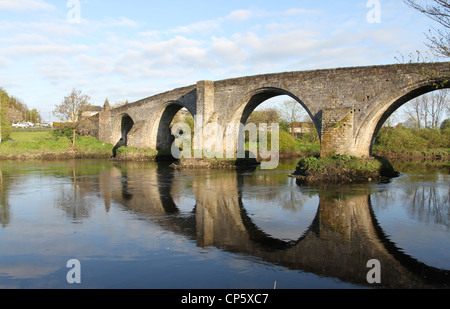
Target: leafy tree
[(267, 116), (445, 125), (71, 108), (284, 126), (4, 107), (19, 112)]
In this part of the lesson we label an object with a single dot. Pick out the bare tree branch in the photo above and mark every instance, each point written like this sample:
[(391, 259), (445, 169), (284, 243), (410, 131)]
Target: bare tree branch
[(70, 109), (439, 11)]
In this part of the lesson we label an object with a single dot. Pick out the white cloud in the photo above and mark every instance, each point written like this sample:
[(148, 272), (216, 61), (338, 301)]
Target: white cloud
[(109, 22), (193, 57), (25, 5), (95, 65), (299, 11), (227, 51), (124, 22), (170, 58), (202, 27), (240, 15), (246, 14), (4, 62), (42, 29), (27, 271), (24, 38), (42, 49), (153, 34), (57, 70)]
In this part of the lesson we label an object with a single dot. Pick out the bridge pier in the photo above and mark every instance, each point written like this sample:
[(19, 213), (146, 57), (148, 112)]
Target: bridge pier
[(338, 133), (206, 118)]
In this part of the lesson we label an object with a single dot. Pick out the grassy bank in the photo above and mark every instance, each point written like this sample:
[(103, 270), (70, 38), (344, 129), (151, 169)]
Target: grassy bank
[(205, 164), (134, 154), (343, 169), (50, 145), (413, 143)]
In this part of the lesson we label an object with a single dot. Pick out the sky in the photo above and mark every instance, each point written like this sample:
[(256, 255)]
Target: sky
[(130, 50)]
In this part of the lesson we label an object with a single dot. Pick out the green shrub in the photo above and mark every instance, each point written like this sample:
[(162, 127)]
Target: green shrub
[(63, 132), (287, 142), (405, 140)]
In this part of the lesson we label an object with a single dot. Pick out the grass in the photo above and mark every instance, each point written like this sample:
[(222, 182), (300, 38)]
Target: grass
[(47, 145), (338, 162), (135, 154), (343, 169)]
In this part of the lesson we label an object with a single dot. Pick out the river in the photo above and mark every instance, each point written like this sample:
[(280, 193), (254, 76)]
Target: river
[(146, 225)]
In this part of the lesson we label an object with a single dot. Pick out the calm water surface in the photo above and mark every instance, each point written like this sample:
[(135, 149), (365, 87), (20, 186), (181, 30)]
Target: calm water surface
[(144, 225)]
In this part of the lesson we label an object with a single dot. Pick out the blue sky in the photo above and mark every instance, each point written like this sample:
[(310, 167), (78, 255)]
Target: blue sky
[(129, 50)]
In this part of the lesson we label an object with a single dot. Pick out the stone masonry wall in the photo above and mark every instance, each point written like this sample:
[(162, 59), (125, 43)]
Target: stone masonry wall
[(337, 131)]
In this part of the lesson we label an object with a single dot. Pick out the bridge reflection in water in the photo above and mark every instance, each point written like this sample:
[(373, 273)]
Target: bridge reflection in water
[(342, 237)]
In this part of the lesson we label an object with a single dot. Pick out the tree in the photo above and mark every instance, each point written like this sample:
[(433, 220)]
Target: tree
[(427, 110), (14, 115), (445, 125), (439, 11), (32, 116), (5, 129), (267, 116), (439, 103), (19, 112), (291, 111), (416, 112), (71, 108)]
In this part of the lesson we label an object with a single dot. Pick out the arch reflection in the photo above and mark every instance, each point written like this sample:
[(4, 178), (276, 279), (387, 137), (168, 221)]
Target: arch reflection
[(342, 237)]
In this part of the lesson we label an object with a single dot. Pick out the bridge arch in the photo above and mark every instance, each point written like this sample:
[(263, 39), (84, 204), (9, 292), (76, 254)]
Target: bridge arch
[(122, 126), (385, 107), (127, 124), (163, 138), (245, 107), (256, 97)]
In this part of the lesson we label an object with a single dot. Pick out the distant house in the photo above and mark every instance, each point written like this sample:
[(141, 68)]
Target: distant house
[(91, 111), (298, 129)]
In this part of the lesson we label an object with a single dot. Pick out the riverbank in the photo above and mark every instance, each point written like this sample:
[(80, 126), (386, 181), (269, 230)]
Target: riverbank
[(342, 169), (415, 156), (47, 145), (192, 163)]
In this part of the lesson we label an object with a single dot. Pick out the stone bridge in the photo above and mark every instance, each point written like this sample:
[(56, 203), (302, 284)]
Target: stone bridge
[(348, 106)]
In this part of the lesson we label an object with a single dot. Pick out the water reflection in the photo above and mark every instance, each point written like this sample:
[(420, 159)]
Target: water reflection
[(72, 196), (341, 238), (334, 234)]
